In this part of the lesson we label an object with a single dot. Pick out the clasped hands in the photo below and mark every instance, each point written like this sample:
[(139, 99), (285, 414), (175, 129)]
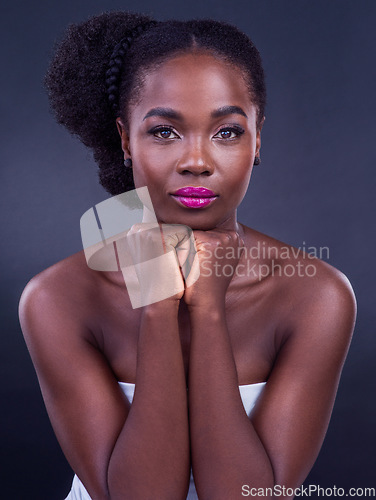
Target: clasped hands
[(167, 258), (158, 261)]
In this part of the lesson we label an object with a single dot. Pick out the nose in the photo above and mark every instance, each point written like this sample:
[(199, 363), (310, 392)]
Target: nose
[(195, 160)]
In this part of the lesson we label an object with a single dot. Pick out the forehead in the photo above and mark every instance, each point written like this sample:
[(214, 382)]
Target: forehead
[(193, 83)]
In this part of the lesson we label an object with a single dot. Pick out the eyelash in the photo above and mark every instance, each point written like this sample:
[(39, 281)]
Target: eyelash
[(236, 129)]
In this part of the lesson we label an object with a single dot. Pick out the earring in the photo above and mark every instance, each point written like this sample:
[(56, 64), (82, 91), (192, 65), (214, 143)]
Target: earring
[(257, 160), (128, 163)]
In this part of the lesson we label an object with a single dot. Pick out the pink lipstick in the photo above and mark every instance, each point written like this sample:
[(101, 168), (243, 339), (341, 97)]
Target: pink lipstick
[(194, 197)]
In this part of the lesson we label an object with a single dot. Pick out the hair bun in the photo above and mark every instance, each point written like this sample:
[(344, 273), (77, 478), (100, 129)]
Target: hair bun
[(83, 56)]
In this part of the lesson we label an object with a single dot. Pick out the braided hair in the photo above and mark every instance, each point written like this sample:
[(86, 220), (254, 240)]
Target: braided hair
[(114, 71), (97, 72)]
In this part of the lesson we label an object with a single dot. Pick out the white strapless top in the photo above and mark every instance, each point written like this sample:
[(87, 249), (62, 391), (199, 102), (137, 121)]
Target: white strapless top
[(249, 394)]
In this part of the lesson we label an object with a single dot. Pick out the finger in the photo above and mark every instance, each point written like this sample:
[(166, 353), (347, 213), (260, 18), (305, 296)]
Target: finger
[(175, 234), (153, 280), (186, 253)]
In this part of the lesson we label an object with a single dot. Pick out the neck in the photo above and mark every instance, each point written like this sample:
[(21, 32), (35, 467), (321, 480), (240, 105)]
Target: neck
[(231, 224)]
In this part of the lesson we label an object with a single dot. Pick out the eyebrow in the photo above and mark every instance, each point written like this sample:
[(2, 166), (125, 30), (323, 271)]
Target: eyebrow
[(228, 110), (175, 115), (165, 113)]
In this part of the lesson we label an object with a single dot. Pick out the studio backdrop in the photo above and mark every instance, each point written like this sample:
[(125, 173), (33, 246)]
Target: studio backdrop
[(314, 188)]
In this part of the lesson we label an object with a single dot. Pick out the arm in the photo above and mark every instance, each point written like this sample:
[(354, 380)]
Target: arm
[(280, 442), (151, 455), (226, 449), (117, 451)]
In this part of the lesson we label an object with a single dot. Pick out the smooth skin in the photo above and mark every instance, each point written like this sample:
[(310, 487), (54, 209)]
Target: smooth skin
[(227, 329)]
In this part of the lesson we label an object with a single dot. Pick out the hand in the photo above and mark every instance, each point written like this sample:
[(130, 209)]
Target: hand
[(218, 253), (148, 260)]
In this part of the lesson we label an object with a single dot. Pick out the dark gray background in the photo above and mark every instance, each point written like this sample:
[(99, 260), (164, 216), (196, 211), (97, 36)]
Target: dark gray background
[(315, 185)]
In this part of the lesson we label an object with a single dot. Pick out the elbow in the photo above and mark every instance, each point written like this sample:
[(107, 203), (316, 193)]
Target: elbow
[(126, 485), (243, 486)]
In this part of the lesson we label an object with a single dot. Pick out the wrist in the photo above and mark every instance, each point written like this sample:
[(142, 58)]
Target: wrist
[(162, 307), (208, 311), (209, 303)]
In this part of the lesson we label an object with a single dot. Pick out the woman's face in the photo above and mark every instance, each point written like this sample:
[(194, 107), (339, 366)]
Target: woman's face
[(193, 126)]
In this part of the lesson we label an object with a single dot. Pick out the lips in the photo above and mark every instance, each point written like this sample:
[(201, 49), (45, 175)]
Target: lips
[(196, 192), (194, 197)]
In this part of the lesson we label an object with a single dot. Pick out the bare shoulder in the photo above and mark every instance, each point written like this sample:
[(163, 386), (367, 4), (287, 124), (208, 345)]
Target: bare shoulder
[(66, 276), (311, 289), (325, 304), (63, 290)]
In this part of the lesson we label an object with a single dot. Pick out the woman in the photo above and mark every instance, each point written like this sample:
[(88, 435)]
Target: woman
[(178, 107)]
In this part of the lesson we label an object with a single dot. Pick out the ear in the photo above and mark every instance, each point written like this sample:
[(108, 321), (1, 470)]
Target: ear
[(258, 137), (124, 136)]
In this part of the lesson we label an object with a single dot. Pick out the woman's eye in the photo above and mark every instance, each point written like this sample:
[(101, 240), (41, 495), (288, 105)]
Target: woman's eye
[(229, 133), (164, 133)]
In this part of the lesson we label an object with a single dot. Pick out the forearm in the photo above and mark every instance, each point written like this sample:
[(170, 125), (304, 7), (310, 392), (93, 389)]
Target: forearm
[(226, 450), (151, 456)]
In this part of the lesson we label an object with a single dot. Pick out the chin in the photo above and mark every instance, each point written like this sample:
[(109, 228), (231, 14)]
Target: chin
[(201, 223)]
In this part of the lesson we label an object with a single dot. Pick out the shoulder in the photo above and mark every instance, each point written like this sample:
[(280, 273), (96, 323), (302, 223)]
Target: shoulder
[(297, 267), (68, 275), (306, 287), (324, 304), (65, 289)]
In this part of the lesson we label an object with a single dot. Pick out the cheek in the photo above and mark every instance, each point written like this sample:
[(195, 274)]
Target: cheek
[(147, 173), (143, 172), (239, 166), (151, 163), (239, 180)]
